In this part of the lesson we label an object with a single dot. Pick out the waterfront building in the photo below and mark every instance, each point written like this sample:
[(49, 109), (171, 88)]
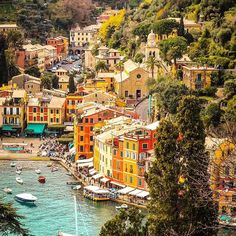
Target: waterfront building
[(91, 116), (223, 178), (197, 77), (136, 145), (13, 115), (131, 82)]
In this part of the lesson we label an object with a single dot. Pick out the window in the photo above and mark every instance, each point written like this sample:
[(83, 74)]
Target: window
[(145, 145), (81, 138), (133, 146), (51, 111), (34, 109), (91, 148), (131, 179), (114, 152), (126, 93), (121, 154), (51, 120), (57, 111), (140, 182), (81, 148), (234, 198), (99, 119), (139, 76), (41, 110), (81, 128), (91, 138), (86, 120), (199, 77), (91, 120), (34, 118), (91, 128), (41, 118), (127, 145), (131, 169), (57, 120)]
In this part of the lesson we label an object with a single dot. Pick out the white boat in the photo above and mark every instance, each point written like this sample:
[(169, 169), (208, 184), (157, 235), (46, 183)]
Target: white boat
[(19, 180), (13, 164), (7, 190), (38, 171), (64, 234), (26, 198), (19, 167), (18, 172), (123, 206), (54, 169), (77, 187)]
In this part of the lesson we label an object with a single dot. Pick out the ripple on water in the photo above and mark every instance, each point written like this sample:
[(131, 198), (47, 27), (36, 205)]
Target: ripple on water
[(54, 210)]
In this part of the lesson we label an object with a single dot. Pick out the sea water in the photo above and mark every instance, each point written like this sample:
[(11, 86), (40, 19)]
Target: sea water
[(54, 209)]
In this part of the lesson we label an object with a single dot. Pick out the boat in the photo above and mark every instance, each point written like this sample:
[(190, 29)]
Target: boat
[(54, 169), (64, 234), (96, 194), (42, 179), (19, 180), (49, 164), (26, 198), (123, 206), (13, 164), (69, 173), (77, 187), (18, 172), (19, 167), (7, 190), (38, 171)]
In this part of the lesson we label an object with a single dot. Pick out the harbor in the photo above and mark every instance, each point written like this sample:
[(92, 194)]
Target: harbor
[(53, 211)]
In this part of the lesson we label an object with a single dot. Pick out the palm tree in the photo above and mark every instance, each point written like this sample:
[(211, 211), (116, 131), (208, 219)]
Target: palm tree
[(120, 68), (9, 221), (101, 66), (151, 63)]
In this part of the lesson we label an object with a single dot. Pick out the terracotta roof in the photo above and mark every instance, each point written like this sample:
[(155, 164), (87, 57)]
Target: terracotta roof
[(56, 102)]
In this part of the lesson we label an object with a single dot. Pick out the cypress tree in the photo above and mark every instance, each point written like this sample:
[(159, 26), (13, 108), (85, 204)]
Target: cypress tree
[(181, 31), (72, 87), (163, 182), (197, 207)]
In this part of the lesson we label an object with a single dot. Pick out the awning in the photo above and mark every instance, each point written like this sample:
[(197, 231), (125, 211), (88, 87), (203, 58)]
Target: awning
[(118, 184), (14, 144), (84, 160), (97, 176), (104, 180), (69, 128), (35, 128), (101, 191), (143, 194), (72, 151), (135, 192), (89, 164), (92, 172), (8, 128), (91, 188), (125, 190)]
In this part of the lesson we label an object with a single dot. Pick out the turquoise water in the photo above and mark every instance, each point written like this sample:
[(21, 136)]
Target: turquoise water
[(54, 210)]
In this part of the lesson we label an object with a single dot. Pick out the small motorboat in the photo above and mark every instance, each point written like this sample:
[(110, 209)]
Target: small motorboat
[(49, 164), (64, 234), (7, 190), (69, 173), (13, 164), (42, 179), (123, 206), (18, 172), (19, 180), (38, 171), (26, 198), (77, 187), (19, 168), (54, 169)]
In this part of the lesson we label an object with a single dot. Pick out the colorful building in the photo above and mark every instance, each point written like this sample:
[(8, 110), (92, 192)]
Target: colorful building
[(197, 77), (4, 28), (13, 115)]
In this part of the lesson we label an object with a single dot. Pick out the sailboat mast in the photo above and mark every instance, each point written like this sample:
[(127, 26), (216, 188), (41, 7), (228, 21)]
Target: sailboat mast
[(76, 218)]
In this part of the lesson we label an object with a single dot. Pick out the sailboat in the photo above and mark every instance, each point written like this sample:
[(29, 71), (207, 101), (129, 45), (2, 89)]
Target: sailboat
[(76, 223)]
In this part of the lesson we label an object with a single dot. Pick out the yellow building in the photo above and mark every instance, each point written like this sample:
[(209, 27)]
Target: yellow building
[(63, 79), (130, 162), (197, 77), (56, 111), (223, 178), (131, 83), (108, 78), (72, 102), (13, 115)]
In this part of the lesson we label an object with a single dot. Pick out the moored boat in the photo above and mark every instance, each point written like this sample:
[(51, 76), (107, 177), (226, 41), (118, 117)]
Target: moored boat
[(77, 187), (42, 179), (7, 190), (18, 172), (38, 171), (96, 194), (54, 169), (19, 180), (49, 164), (26, 198), (64, 234), (123, 206), (13, 164)]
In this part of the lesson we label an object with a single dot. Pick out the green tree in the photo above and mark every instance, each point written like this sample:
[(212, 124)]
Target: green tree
[(181, 31), (10, 221), (72, 87), (165, 26), (34, 71), (151, 63), (197, 208), (126, 223), (101, 66), (212, 115), (142, 30), (230, 88), (55, 81), (162, 179), (139, 57), (120, 68), (173, 48), (230, 111), (46, 81)]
